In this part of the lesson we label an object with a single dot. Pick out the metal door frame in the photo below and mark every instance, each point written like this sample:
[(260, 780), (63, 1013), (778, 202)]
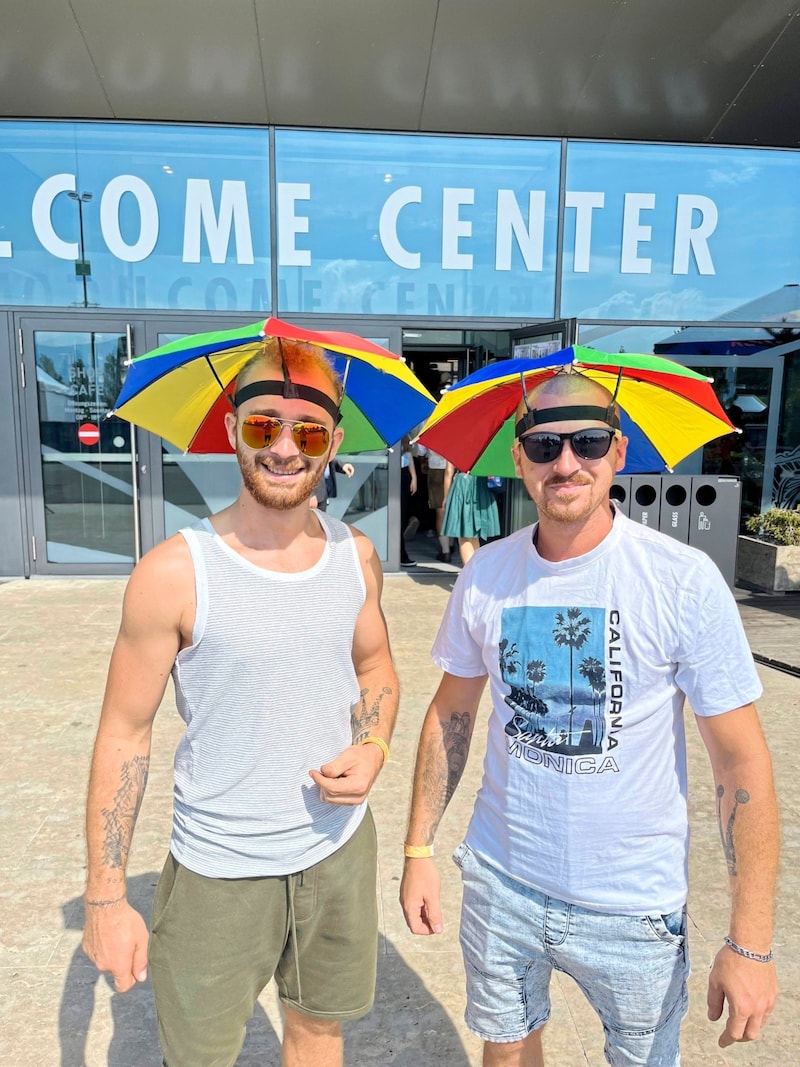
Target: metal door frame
[(769, 359), (26, 324)]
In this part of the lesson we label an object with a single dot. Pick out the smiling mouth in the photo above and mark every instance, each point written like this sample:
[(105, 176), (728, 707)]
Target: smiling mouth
[(282, 472)]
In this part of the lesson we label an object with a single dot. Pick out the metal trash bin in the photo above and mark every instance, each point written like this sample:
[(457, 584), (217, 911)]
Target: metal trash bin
[(676, 499), (714, 520), (620, 493), (645, 499)]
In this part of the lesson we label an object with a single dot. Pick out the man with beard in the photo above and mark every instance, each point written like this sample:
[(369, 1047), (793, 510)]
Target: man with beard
[(268, 617), (592, 630)]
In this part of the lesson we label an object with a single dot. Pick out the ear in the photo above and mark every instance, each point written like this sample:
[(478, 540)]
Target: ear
[(336, 439), (515, 455), (230, 428), (622, 446)]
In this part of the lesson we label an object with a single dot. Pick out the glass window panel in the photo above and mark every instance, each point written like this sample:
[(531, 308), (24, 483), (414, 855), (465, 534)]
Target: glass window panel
[(406, 225), (160, 216), (680, 232)]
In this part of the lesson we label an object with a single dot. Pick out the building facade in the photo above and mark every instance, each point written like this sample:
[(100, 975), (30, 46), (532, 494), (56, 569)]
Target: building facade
[(452, 250)]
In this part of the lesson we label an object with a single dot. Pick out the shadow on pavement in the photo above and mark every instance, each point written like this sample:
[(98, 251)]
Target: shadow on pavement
[(407, 1027)]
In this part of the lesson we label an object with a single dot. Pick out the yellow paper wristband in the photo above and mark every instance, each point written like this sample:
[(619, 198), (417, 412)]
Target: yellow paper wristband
[(381, 745), (418, 852)]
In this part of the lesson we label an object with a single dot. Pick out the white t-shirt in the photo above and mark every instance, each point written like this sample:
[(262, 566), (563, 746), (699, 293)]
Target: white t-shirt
[(584, 787)]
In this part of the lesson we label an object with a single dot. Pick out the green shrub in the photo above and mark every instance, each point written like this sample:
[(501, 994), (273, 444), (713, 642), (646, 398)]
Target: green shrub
[(778, 526)]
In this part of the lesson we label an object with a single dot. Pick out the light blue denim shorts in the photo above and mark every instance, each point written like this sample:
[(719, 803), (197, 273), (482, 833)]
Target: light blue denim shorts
[(633, 969)]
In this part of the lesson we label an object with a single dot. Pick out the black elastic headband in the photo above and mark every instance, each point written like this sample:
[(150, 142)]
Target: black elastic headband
[(290, 391), (587, 412)]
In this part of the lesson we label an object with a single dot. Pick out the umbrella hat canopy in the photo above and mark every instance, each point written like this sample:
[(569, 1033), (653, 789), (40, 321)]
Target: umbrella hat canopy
[(666, 410), (181, 390)]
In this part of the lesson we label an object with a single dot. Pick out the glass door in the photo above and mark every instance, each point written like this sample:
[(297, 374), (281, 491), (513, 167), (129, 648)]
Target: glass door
[(749, 389), (528, 342), (80, 465)]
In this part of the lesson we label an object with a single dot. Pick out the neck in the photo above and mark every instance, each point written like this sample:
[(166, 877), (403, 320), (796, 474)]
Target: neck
[(261, 528), (559, 541)]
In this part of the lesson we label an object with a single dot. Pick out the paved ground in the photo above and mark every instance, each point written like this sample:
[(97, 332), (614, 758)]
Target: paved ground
[(55, 637)]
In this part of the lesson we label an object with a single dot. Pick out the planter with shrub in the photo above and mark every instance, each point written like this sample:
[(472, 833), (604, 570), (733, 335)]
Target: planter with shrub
[(769, 560)]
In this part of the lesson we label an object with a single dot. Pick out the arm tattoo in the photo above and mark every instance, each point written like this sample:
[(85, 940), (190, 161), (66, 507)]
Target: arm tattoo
[(741, 796), (438, 785), (104, 903), (121, 819), (363, 719)]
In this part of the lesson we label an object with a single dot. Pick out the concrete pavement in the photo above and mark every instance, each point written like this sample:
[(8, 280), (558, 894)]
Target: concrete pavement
[(55, 638)]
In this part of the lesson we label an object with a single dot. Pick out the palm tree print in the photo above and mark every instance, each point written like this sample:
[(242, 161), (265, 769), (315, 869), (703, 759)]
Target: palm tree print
[(509, 664), (535, 672), (572, 632), (595, 674)]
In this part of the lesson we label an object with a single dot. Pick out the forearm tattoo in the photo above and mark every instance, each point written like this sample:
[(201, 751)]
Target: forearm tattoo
[(438, 782), (741, 796), (365, 719), (121, 818)]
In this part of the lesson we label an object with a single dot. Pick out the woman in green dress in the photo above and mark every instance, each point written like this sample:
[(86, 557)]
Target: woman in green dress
[(470, 512)]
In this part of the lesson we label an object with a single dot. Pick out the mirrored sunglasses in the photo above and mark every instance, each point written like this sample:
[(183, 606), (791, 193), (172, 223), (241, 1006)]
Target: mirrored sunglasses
[(586, 444), (262, 431)]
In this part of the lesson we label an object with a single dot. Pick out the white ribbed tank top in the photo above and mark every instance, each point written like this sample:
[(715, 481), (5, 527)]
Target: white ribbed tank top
[(266, 689)]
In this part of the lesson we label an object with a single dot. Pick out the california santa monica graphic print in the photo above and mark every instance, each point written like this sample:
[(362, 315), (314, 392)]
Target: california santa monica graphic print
[(564, 673)]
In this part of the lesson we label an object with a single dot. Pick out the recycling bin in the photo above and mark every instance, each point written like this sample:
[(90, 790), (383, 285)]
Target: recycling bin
[(620, 493), (676, 499), (714, 520), (645, 499)]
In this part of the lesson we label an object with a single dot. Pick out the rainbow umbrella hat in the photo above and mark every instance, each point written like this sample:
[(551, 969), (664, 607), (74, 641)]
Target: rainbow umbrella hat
[(182, 390), (666, 410)]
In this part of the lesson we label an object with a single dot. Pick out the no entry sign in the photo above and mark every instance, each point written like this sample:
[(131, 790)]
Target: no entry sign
[(88, 433)]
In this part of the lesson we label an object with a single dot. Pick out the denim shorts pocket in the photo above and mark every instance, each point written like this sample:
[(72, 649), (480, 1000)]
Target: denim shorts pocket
[(460, 854), (670, 928)]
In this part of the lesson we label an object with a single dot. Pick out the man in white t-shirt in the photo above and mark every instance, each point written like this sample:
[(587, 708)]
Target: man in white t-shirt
[(591, 630)]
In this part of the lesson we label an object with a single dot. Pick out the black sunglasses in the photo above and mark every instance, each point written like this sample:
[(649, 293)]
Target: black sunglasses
[(544, 447)]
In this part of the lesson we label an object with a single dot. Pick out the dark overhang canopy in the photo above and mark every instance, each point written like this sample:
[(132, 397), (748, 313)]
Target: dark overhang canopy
[(716, 71)]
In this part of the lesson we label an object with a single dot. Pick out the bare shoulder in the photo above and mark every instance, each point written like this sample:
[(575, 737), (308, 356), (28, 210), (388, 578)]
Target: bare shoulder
[(161, 592), (370, 563)]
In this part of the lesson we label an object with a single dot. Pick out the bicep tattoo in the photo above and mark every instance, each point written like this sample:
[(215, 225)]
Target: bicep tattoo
[(121, 818), (741, 796)]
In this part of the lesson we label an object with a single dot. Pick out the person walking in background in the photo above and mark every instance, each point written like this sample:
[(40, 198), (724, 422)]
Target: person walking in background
[(326, 488), (408, 487), (470, 511), (437, 470), (268, 617), (593, 630)]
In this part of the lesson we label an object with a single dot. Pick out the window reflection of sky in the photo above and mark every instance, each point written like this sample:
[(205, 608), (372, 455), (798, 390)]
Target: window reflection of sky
[(165, 158), (343, 181), (351, 177), (754, 246)]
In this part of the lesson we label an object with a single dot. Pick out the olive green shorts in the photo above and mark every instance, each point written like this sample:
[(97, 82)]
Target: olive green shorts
[(217, 942)]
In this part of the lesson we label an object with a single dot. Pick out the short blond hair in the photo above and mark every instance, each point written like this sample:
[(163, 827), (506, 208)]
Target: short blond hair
[(565, 385), (277, 353)]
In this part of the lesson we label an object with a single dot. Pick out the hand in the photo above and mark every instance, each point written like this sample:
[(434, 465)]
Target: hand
[(115, 939), (349, 778), (413, 486), (750, 989), (348, 469), (420, 896)]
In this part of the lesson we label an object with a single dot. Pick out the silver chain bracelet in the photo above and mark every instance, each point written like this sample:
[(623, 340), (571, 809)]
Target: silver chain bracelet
[(748, 955)]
